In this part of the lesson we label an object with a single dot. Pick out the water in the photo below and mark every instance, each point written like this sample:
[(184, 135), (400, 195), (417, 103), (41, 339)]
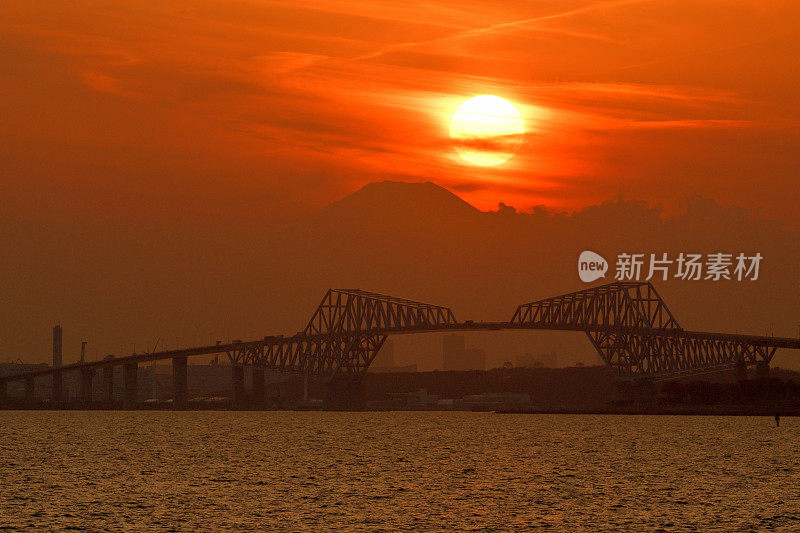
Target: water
[(316, 471)]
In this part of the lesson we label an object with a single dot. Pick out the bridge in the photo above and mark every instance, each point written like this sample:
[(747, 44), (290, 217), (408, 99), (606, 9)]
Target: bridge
[(628, 323)]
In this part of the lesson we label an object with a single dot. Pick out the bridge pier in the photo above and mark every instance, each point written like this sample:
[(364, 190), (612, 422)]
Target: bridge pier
[(108, 384), (130, 386), (87, 376), (237, 383), (30, 390), (58, 387), (258, 393), (180, 381)]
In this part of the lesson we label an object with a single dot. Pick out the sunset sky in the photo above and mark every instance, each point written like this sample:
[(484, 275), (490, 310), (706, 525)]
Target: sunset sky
[(231, 106), (156, 158)]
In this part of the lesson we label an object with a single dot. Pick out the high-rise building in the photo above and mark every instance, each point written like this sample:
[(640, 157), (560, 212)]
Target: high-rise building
[(452, 351), (474, 359), (57, 350), (455, 355)]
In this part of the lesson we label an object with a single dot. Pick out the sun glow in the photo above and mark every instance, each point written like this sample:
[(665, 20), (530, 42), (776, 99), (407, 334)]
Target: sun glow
[(487, 130)]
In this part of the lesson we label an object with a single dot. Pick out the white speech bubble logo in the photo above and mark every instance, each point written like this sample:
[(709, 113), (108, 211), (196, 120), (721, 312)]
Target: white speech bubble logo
[(591, 266)]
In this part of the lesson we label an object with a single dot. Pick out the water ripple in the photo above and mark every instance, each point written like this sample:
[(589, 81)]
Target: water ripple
[(312, 471)]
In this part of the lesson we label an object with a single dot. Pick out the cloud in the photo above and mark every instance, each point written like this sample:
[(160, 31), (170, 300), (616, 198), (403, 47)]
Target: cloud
[(106, 84), (368, 89)]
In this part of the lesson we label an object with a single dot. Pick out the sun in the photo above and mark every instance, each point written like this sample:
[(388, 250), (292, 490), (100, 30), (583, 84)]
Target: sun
[(487, 130)]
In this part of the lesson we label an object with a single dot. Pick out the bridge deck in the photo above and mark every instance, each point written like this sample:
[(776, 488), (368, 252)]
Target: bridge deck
[(764, 341)]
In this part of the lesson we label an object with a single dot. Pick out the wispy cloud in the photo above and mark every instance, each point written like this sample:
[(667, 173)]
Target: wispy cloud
[(106, 84), (367, 88)]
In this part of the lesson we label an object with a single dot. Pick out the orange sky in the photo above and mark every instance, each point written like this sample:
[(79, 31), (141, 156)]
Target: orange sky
[(156, 158), (221, 107)]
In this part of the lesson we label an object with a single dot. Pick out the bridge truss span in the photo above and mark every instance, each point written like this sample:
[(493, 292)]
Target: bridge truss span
[(629, 325), (354, 311), (632, 305), (332, 356), (656, 355)]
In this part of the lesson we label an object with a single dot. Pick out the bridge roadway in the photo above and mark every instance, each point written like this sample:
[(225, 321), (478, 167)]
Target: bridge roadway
[(231, 347), (179, 356), (628, 323)]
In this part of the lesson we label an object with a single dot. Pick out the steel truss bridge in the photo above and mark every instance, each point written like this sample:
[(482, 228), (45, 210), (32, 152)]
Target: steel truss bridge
[(628, 324)]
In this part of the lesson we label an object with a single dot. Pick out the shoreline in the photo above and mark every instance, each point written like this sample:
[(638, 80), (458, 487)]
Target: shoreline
[(629, 410)]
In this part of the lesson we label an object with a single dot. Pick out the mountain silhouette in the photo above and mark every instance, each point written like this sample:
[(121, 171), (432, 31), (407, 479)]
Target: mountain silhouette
[(420, 241), (412, 240), (397, 200)]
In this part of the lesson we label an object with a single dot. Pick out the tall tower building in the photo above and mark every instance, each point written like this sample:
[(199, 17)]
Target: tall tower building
[(57, 353), (453, 348)]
